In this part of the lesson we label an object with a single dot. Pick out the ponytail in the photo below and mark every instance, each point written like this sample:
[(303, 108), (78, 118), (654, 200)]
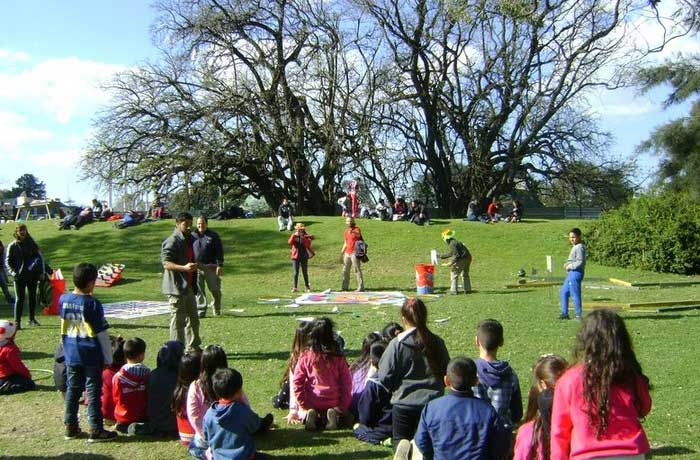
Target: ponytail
[(415, 312)]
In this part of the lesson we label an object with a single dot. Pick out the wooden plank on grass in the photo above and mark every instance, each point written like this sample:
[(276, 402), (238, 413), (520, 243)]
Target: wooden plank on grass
[(609, 305), (620, 282), (532, 284), (666, 303)]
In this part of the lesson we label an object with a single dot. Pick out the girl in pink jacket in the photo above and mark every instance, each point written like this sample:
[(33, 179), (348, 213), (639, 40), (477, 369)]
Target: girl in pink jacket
[(532, 441), (599, 402), (322, 381)]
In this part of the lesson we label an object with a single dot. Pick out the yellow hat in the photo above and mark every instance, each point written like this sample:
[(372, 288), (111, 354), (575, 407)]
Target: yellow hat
[(447, 234)]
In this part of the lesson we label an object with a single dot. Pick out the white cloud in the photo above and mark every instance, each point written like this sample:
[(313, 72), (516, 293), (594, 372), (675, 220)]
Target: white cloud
[(15, 131), (62, 88), (14, 56)]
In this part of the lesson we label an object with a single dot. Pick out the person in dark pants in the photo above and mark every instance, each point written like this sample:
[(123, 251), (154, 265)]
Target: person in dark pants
[(209, 255), (300, 241), (24, 262), (3, 277), (412, 368)]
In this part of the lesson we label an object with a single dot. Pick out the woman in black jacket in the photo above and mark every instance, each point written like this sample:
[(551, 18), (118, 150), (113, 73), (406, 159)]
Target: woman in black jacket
[(24, 262)]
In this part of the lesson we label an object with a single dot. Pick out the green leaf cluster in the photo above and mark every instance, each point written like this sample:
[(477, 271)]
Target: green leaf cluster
[(660, 233)]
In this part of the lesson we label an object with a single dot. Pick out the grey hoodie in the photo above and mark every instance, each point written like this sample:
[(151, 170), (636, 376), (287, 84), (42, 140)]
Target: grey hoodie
[(405, 372)]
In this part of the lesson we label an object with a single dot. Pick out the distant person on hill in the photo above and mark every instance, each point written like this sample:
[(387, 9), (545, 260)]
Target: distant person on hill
[(285, 215), (353, 190), (400, 209), (494, 211), (158, 210), (96, 208), (382, 211), (209, 255), (598, 403), (344, 203), (472, 211), (418, 213), (575, 267), (180, 282), (516, 212), (459, 259)]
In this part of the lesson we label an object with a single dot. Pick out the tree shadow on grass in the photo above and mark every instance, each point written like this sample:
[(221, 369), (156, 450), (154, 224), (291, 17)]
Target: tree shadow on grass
[(259, 355), (662, 316), (671, 450), (502, 292), (114, 325), (355, 455)]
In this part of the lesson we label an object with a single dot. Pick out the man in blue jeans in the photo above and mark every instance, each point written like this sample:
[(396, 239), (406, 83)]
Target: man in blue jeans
[(87, 350), (575, 266)]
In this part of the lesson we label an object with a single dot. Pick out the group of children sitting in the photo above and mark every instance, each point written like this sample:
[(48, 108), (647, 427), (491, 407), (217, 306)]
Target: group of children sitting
[(588, 410)]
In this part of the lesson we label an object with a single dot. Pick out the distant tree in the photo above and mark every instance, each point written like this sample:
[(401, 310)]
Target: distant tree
[(678, 141), (31, 185)]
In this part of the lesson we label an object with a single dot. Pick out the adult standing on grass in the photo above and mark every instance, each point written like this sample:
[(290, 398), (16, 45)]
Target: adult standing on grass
[(26, 265), (179, 282), (209, 255), (459, 260), (575, 266), (348, 252)]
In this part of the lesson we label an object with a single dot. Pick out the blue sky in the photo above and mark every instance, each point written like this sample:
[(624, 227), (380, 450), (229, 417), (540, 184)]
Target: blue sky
[(54, 54)]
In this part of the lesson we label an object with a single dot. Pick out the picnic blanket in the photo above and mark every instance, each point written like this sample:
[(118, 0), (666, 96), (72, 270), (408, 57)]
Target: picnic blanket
[(135, 309), (348, 298)]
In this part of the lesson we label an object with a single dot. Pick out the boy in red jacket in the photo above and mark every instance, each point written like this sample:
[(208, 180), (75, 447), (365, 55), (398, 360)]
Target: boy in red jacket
[(14, 375), (129, 386)]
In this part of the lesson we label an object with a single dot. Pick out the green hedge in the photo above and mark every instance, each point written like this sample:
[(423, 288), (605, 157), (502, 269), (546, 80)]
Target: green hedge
[(653, 232)]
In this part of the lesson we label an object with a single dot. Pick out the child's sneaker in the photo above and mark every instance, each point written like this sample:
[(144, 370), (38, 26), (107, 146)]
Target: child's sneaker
[(332, 416), (403, 450), (311, 419), (102, 435), (72, 432)]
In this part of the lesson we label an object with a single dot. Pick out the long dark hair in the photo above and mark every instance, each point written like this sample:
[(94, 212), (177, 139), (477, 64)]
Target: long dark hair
[(604, 347), (321, 339), (416, 314), (298, 345), (28, 243), (364, 359), (213, 358), (187, 372), (548, 369)]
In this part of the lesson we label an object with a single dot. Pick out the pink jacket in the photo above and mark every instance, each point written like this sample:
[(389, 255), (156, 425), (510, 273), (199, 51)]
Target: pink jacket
[(523, 440), (322, 382), (573, 438)]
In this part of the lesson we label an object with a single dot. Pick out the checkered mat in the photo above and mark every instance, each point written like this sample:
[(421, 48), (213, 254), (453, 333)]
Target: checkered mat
[(135, 309), (347, 298)]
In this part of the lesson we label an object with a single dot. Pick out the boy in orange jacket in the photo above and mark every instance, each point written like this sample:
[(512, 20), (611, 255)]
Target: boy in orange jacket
[(129, 386)]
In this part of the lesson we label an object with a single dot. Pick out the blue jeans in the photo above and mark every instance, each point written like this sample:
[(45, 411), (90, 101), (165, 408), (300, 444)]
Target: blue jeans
[(571, 287), (79, 378)]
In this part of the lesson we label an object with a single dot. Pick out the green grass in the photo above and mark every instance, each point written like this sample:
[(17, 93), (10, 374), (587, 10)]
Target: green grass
[(257, 340)]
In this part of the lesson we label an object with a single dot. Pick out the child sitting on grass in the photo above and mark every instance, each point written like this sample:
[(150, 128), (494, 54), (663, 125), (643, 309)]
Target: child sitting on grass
[(285, 398), (229, 424), (14, 375), (129, 386), (532, 440), (187, 372), (160, 388), (598, 403), (360, 369), (322, 381), (457, 426), (118, 360), (374, 404)]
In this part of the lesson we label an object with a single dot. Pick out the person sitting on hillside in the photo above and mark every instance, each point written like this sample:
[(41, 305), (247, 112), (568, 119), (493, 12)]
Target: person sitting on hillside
[(130, 219), (418, 213), (494, 211), (516, 213), (400, 209), (96, 208), (344, 203), (70, 219), (285, 215), (472, 212), (158, 210), (381, 211), (84, 217)]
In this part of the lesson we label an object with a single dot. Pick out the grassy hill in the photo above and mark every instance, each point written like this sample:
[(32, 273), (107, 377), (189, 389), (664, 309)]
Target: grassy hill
[(257, 340)]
